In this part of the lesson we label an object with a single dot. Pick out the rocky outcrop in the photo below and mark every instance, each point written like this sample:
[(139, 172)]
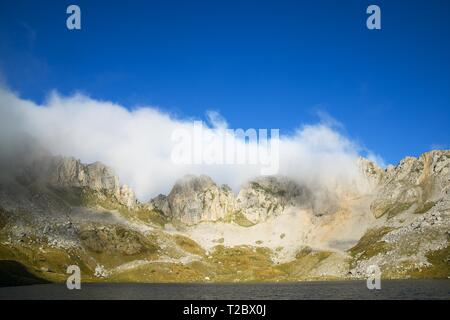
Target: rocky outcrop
[(114, 240), (66, 172), (197, 198), (161, 204), (268, 197), (418, 246), (416, 184), (370, 171)]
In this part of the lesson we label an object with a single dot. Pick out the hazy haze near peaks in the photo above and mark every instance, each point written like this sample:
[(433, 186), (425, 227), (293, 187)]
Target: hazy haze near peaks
[(138, 145)]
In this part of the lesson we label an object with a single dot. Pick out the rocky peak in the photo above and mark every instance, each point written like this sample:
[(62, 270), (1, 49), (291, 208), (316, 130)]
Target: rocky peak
[(415, 184), (197, 198), (160, 203), (192, 184), (66, 172), (370, 170), (267, 197), (70, 172)]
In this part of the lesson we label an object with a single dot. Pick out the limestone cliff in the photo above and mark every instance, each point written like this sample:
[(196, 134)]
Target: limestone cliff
[(67, 172), (416, 184), (197, 198)]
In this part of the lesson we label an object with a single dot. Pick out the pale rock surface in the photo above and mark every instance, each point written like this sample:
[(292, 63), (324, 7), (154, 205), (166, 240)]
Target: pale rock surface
[(266, 197), (197, 198), (69, 172), (415, 184)]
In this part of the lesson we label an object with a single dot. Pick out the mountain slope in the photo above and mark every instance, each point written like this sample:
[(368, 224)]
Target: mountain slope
[(56, 211)]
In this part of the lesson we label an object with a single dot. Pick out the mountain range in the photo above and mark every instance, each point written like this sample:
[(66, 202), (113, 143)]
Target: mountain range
[(56, 211)]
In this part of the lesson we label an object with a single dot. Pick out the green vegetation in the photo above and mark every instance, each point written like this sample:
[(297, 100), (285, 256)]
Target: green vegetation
[(163, 273), (397, 208), (136, 256), (86, 197), (47, 263), (242, 263), (229, 264), (425, 207), (115, 245), (154, 217), (439, 268), (371, 244), (189, 245), (240, 219), (305, 261)]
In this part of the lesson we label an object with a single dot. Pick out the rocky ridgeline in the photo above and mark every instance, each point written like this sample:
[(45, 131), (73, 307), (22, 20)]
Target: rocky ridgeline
[(414, 245), (266, 197), (195, 199), (67, 172), (416, 184), (411, 204)]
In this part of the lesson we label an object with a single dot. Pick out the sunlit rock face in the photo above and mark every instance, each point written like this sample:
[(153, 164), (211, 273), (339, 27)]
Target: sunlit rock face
[(71, 172), (416, 184), (68, 172), (197, 198), (371, 173), (274, 229), (194, 199), (267, 197)]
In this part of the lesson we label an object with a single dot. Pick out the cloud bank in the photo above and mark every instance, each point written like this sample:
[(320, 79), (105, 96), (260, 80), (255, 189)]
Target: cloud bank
[(138, 143)]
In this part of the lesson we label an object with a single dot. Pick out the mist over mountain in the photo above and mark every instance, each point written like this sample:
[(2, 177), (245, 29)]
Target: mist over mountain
[(138, 143), (91, 183), (57, 211)]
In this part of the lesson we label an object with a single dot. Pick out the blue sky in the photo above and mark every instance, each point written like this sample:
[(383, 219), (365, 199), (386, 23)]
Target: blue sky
[(261, 64)]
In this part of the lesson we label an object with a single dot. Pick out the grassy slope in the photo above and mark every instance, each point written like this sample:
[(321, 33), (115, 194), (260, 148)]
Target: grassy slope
[(229, 264), (371, 244), (223, 264)]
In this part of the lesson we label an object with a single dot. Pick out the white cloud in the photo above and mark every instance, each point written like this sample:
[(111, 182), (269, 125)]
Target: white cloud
[(138, 145)]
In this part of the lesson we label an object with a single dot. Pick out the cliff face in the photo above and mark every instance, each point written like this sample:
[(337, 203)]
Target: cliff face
[(194, 199), (267, 197), (411, 204), (416, 185), (68, 172)]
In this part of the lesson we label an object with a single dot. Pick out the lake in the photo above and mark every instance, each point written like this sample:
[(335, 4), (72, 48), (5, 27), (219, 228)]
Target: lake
[(390, 289)]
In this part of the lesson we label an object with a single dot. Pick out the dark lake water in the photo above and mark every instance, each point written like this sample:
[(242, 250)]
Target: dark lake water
[(390, 289)]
